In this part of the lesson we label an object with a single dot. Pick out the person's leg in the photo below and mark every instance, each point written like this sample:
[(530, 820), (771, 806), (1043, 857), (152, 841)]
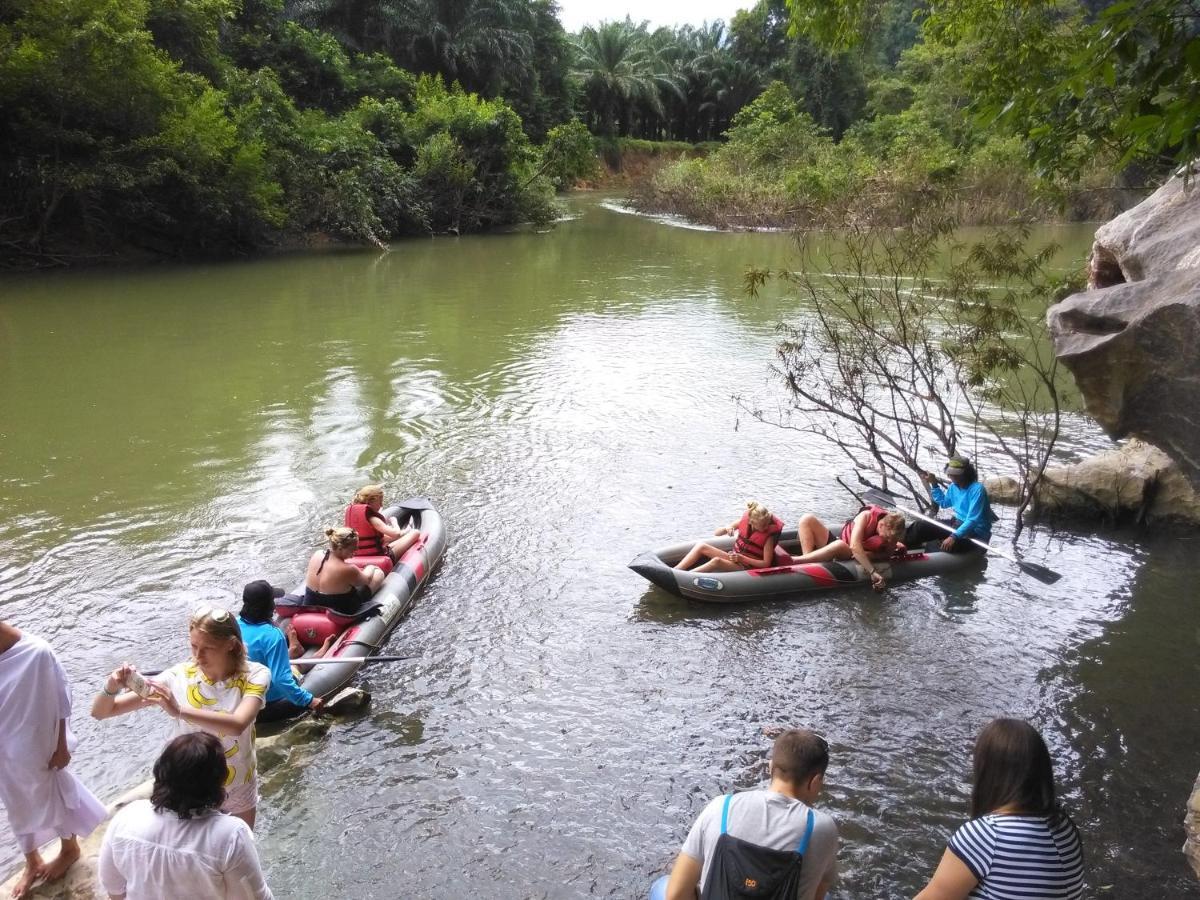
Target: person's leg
[(376, 575), (717, 564), (697, 553), (812, 533), (295, 648), (402, 543), (68, 855), (34, 874), (919, 533), (837, 550)]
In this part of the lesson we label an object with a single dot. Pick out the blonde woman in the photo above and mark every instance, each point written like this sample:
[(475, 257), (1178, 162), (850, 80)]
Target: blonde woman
[(333, 582), (757, 532), (377, 536), (218, 690), (873, 534)]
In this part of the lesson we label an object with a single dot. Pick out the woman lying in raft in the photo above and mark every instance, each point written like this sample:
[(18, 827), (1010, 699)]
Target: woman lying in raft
[(873, 534), (757, 531)]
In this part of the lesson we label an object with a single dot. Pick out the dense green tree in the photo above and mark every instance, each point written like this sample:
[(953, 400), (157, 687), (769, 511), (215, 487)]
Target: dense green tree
[(1123, 76), (618, 70)]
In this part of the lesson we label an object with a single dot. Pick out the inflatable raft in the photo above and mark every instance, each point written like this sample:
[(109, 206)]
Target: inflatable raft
[(362, 634), (787, 579)]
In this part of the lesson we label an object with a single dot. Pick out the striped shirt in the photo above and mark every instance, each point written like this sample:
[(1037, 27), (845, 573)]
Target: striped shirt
[(1021, 857)]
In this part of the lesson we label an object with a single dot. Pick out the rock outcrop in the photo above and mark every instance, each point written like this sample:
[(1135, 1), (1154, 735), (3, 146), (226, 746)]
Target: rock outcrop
[(1132, 339), (1133, 483)]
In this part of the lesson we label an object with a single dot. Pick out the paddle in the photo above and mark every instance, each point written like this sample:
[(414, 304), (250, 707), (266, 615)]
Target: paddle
[(322, 661), (881, 497)]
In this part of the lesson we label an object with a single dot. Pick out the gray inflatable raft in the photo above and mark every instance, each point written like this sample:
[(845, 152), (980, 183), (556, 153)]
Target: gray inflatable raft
[(781, 581), (363, 634)]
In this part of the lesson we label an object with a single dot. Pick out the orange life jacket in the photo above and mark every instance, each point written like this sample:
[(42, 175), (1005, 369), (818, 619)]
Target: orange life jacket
[(872, 541), (370, 541), (754, 543)]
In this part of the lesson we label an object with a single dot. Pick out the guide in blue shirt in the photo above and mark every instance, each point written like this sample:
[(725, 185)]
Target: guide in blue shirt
[(266, 644), (967, 497)]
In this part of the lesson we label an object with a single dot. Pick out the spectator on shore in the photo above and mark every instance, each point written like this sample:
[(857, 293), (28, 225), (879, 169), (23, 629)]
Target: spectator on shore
[(43, 800), (772, 835), (218, 690), (1019, 843), (178, 843)]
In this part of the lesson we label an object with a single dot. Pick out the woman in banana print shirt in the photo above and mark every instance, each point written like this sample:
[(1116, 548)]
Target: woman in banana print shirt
[(218, 690)]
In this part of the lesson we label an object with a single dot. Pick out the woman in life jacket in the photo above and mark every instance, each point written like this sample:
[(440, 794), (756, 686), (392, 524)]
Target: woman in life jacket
[(754, 548), (873, 534), (332, 582), (377, 536)]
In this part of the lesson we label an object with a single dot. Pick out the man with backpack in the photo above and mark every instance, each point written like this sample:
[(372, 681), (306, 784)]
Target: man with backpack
[(764, 843)]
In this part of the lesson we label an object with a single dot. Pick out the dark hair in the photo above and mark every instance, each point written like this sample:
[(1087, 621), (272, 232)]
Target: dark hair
[(798, 755), (189, 775), (1012, 768)]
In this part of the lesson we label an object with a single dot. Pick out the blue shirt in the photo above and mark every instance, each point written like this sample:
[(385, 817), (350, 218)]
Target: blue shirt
[(266, 644), (971, 508)]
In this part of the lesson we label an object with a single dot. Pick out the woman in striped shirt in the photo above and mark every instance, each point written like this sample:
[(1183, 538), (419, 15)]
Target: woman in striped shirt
[(1019, 844)]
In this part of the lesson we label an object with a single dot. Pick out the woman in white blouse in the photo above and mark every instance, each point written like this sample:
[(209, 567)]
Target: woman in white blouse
[(179, 843)]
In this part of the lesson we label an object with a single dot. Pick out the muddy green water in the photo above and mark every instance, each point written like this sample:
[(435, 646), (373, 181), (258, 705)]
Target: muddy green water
[(168, 434)]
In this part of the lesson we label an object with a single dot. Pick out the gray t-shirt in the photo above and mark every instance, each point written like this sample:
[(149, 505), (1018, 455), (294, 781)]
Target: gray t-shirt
[(769, 819)]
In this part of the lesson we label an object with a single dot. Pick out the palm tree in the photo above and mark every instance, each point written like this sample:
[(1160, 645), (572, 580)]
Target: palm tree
[(619, 71), (475, 42)]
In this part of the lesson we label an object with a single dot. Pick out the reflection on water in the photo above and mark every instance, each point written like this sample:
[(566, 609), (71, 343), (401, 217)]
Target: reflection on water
[(168, 434)]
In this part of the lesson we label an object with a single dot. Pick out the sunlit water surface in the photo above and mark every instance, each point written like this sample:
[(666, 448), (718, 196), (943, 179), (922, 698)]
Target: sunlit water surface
[(564, 398)]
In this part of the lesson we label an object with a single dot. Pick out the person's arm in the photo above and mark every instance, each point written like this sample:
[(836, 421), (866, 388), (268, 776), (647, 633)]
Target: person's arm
[(384, 526), (280, 664), (938, 495), (952, 880), (114, 699), (218, 723), (112, 882), (684, 883), (61, 757), (244, 877), (858, 534)]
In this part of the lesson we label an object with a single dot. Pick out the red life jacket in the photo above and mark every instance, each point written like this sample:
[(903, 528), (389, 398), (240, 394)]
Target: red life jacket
[(370, 541), (754, 543), (872, 541)]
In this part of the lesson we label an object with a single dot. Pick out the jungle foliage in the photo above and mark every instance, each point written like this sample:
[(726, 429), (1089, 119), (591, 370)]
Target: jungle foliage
[(218, 126)]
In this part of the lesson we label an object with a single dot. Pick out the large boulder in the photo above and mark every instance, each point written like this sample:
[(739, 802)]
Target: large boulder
[(1132, 339), (1133, 484)]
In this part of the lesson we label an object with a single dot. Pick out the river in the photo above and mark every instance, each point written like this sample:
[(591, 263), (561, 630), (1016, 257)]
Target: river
[(168, 433)]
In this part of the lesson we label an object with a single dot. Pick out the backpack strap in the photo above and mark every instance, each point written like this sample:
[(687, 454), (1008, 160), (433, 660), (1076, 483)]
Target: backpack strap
[(725, 813), (802, 847)]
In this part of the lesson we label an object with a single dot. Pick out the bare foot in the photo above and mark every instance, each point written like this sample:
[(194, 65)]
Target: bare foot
[(34, 874), (68, 855), (325, 645), (295, 648)]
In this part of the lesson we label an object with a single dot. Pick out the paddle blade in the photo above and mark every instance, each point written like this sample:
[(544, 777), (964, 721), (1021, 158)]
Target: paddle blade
[(1041, 573), (879, 497)]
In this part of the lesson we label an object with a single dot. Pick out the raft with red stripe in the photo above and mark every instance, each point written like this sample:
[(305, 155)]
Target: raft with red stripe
[(364, 634), (787, 578)]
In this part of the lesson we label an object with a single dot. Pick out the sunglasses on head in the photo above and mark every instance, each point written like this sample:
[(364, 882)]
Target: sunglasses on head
[(211, 612)]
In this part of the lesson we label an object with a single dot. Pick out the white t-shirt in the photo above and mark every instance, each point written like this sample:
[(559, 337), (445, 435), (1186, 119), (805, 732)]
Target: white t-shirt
[(147, 855), (769, 819), (192, 689)]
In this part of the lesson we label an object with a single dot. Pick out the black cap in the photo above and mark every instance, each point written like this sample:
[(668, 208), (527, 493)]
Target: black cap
[(258, 600)]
